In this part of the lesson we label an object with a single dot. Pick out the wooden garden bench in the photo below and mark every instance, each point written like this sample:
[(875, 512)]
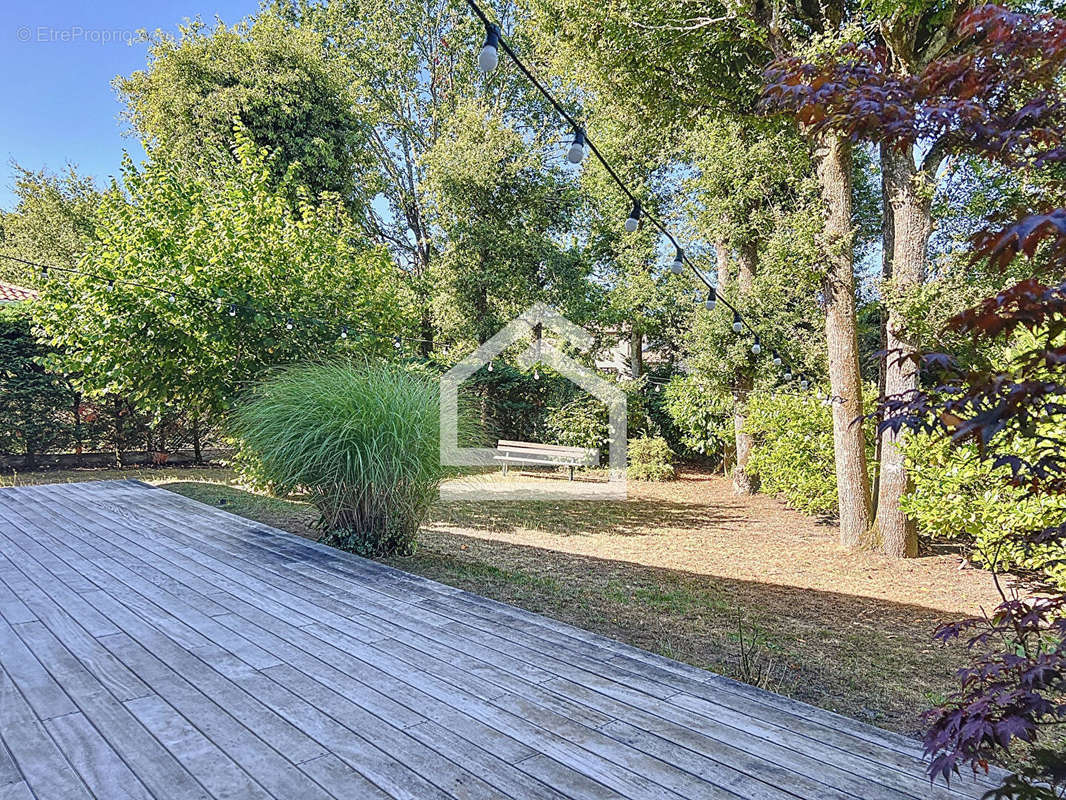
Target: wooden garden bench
[(545, 455)]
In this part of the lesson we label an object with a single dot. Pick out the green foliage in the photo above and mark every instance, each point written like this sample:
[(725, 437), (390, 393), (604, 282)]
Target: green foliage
[(650, 459), (239, 241), (793, 448), (501, 212), (363, 442), (36, 404), (53, 221), (581, 422), (275, 79), (702, 418), (958, 496)]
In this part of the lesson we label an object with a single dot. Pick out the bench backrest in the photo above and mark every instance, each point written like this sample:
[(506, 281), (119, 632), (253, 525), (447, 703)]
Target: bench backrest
[(581, 455)]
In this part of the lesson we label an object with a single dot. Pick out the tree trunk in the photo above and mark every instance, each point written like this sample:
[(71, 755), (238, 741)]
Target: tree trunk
[(743, 481), (912, 224), (746, 260), (636, 352), (197, 450), (721, 253), (833, 158)]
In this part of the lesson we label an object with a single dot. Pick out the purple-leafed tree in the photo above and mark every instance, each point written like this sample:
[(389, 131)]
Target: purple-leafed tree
[(997, 92)]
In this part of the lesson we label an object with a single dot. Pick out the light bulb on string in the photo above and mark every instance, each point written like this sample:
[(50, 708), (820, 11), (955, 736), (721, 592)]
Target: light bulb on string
[(344, 331), (804, 383), (788, 374), (576, 153), (712, 299), (536, 374), (173, 298), (232, 310), (397, 342), (777, 359), (489, 56), (489, 367), (738, 326), (657, 388), (756, 348), (677, 266), (111, 286), (288, 324), (633, 221)]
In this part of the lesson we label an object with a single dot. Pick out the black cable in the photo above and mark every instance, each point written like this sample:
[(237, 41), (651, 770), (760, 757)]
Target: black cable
[(569, 118), (221, 303)]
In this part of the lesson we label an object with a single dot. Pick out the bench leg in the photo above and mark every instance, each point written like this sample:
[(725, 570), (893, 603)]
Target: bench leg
[(505, 469), (571, 472)]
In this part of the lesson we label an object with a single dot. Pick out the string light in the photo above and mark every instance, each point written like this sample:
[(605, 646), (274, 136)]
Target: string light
[(232, 310), (344, 331), (633, 222), (576, 153), (172, 298), (756, 348), (490, 367), (677, 266), (579, 145), (777, 359), (804, 383), (288, 324), (788, 374), (489, 56), (536, 374), (712, 299)]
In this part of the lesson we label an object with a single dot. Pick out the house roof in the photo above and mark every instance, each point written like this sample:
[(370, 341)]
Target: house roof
[(9, 293)]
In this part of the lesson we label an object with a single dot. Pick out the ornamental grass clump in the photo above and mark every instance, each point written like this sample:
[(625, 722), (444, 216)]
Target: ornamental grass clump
[(361, 440)]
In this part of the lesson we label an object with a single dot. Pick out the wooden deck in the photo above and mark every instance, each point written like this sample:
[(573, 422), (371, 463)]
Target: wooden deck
[(154, 647)]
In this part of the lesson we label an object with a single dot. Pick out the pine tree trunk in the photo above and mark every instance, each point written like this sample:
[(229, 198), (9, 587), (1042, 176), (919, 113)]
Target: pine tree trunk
[(833, 157), (743, 481), (636, 352), (911, 226)]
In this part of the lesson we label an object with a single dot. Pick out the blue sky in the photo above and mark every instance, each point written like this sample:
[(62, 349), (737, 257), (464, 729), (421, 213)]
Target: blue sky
[(58, 59)]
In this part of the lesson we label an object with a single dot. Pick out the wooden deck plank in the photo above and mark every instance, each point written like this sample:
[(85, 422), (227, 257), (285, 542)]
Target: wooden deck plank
[(38, 758), (265, 665), (103, 771), (647, 763), (813, 766)]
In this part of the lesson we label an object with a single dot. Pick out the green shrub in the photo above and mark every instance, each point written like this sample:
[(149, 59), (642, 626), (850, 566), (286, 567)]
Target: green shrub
[(582, 422), (36, 404), (957, 496), (792, 453), (650, 459), (702, 418), (362, 441)]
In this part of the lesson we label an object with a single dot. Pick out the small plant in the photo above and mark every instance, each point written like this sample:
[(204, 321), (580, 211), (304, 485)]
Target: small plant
[(650, 459), (362, 441)]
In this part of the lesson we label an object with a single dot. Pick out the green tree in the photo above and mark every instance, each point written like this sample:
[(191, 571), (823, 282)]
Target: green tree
[(676, 64), (35, 403), (746, 179), (408, 66), (275, 78), (218, 246), (53, 221), (502, 215)]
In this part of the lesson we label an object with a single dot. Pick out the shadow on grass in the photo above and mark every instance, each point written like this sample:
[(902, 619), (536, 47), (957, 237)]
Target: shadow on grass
[(581, 517)]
